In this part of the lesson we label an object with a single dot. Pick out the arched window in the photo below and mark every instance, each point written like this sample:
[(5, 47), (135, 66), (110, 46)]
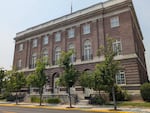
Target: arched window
[(33, 60), (45, 56), (72, 48), (57, 54), (87, 50)]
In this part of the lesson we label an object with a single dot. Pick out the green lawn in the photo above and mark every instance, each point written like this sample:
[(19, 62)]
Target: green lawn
[(134, 104)]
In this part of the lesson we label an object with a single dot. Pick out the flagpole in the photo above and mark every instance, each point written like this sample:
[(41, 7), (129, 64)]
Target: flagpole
[(71, 6)]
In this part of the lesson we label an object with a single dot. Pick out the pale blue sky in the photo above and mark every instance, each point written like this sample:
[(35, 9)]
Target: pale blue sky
[(18, 15)]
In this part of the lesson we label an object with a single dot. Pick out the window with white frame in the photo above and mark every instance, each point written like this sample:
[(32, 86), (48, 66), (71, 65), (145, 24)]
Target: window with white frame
[(45, 56), (117, 47), (34, 43), (86, 29), (87, 50), (20, 47), (114, 21), (120, 78), (57, 37), (57, 54), (71, 33), (19, 63), (33, 60), (72, 48), (45, 40)]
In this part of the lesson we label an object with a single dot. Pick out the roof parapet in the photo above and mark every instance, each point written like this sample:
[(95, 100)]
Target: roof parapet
[(70, 16)]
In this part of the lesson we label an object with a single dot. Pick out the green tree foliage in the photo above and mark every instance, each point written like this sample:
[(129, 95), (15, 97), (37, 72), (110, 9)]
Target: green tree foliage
[(2, 75), (94, 80), (87, 80), (121, 95), (109, 67), (15, 81), (145, 92), (38, 78), (70, 74), (103, 77), (99, 78)]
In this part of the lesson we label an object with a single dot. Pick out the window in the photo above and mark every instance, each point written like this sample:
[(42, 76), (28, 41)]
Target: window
[(117, 48), (114, 21), (45, 56), (34, 43), (33, 60), (19, 63), (120, 77), (71, 33), (87, 50), (45, 40), (57, 37), (20, 47), (57, 54), (71, 48), (86, 29)]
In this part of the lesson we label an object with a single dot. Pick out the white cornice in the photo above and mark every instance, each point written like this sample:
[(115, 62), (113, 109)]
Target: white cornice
[(77, 24), (71, 16), (95, 60)]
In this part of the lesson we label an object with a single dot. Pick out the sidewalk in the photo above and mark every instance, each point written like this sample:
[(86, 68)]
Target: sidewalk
[(89, 108)]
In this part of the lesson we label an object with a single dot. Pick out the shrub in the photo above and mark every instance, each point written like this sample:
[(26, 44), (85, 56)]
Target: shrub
[(121, 95), (35, 99), (2, 97), (10, 98), (53, 100), (145, 92), (97, 100)]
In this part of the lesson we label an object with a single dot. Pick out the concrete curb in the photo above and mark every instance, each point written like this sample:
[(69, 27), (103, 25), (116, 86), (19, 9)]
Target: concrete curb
[(65, 108)]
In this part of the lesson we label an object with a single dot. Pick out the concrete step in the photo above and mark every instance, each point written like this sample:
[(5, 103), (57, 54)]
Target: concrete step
[(83, 102)]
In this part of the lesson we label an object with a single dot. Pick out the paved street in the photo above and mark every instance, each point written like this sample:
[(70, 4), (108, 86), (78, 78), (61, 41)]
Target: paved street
[(33, 110)]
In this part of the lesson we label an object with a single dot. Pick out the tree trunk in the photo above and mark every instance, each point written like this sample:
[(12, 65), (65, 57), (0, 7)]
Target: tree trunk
[(16, 98), (69, 97), (41, 91), (114, 97), (99, 91)]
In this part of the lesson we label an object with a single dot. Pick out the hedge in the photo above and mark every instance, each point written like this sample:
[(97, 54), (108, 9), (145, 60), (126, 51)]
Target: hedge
[(145, 92)]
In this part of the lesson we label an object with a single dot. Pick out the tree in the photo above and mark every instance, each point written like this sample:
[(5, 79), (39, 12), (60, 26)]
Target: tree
[(145, 91), (2, 75), (110, 67), (99, 81), (87, 80), (94, 80), (70, 74), (38, 78), (15, 81)]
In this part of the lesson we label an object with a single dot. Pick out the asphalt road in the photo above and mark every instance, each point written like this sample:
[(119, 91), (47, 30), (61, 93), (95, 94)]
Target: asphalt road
[(35, 110)]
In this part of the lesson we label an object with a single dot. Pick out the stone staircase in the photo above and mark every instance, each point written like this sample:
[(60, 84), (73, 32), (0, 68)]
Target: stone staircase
[(83, 102)]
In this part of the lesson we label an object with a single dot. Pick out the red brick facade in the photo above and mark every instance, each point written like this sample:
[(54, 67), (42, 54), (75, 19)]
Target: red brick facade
[(132, 56)]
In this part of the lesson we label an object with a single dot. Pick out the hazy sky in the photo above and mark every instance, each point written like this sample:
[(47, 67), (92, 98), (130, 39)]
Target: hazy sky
[(18, 15)]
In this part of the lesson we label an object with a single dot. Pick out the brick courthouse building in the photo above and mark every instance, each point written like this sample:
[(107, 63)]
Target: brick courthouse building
[(85, 31)]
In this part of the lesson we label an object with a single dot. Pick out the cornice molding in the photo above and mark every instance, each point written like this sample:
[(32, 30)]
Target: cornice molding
[(77, 24), (95, 60), (76, 16)]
